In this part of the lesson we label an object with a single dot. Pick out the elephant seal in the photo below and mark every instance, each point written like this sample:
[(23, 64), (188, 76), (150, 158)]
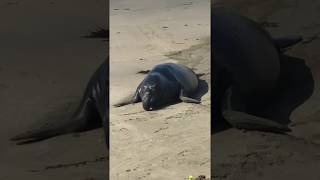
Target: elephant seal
[(246, 68), (91, 113), (165, 83)]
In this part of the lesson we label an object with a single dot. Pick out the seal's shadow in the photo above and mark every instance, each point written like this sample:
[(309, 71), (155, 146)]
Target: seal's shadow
[(296, 85)]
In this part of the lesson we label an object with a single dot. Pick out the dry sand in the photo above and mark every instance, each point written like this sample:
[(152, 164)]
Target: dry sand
[(241, 155), (173, 142), (44, 67)]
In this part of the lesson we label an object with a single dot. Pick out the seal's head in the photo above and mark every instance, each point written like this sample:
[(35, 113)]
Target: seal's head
[(150, 93)]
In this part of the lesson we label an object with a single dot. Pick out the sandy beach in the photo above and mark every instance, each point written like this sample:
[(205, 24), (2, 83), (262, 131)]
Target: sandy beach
[(173, 142), (239, 155), (45, 64)]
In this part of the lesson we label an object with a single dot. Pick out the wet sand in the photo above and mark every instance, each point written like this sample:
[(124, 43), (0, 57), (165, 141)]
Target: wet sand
[(239, 155), (174, 142), (45, 64)]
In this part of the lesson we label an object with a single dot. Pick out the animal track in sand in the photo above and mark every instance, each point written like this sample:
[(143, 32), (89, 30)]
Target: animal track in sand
[(161, 129), (68, 165), (139, 112)]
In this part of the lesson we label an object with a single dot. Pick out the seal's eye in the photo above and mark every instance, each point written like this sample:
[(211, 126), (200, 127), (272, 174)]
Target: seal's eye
[(152, 87), (149, 88)]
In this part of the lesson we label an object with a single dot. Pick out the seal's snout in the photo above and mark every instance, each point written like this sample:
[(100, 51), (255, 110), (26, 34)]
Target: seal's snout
[(146, 101), (146, 106)]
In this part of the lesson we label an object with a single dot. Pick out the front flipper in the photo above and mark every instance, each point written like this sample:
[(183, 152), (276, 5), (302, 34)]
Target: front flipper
[(186, 99), (130, 99), (246, 121)]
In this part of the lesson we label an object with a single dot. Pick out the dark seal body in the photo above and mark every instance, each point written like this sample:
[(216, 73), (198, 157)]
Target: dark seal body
[(91, 113), (164, 84), (246, 68), (244, 51)]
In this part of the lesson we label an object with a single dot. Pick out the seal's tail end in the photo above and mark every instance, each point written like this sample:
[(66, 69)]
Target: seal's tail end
[(286, 42), (250, 122), (189, 100)]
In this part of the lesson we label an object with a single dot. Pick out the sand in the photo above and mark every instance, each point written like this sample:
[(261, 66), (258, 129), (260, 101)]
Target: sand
[(239, 155), (174, 142), (45, 64)]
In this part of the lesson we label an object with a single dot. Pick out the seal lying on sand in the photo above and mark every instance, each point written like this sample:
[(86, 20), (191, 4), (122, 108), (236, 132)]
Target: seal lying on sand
[(165, 83), (246, 65), (91, 113)]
